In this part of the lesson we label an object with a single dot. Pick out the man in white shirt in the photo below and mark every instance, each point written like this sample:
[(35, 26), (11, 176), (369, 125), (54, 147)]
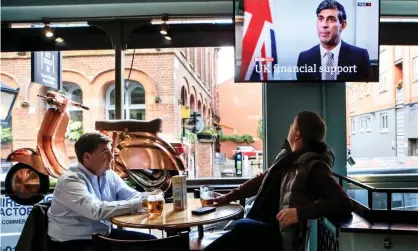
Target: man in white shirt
[(88, 195)]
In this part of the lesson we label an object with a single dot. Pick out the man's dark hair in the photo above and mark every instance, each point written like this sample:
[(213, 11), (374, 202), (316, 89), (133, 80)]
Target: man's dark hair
[(312, 130), (88, 143), (332, 5)]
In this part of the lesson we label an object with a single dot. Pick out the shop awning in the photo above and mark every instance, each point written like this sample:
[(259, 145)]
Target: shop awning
[(225, 126)]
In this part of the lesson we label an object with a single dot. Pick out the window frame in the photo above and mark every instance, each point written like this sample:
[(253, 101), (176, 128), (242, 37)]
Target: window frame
[(383, 87), (127, 100), (352, 99), (368, 123), (415, 69), (72, 87), (384, 129)]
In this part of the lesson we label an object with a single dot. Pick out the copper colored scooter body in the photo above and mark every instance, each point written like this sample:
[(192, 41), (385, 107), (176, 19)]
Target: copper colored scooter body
[(50, 156), (28, 180), (140, 154)]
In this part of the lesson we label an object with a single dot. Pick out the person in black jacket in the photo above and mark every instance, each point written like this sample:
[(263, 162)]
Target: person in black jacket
[(298, 187)]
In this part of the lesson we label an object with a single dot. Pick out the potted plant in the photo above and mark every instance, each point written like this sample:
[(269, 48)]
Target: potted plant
[(208, 133), (75, 130), (6, 135)]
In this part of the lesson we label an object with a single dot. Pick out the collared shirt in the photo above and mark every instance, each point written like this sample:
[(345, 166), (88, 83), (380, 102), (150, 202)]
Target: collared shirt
[(83, 203), (324, 58)]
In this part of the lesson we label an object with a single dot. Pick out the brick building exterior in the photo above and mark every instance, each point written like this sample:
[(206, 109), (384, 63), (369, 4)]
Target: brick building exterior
[(385, 113), (161, 80), (240, 108)]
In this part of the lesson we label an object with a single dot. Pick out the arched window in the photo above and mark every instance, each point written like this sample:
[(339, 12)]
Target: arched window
[(134, 101), (74, 93), (183, 97), (8, 123), (192, 103)]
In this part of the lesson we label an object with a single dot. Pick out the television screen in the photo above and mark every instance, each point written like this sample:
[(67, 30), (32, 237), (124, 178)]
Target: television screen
[(307, 40)]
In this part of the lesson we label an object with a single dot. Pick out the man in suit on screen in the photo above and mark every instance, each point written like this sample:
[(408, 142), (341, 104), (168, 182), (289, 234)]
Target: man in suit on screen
[(333, 59)]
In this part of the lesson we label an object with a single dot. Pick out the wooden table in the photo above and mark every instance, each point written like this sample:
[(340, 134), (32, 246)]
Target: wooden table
[(170, 219)]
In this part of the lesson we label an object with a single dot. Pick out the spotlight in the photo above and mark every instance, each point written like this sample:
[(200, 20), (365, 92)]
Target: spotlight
[(164, 26), (163, 29), (168, 36), (59, 40), (48, 31)]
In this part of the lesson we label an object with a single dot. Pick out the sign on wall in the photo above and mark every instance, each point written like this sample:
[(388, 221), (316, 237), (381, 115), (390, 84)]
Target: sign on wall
[(46, 68), (13, 217)]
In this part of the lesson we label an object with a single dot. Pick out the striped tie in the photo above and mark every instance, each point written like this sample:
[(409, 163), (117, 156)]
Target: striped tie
[(330, 63)]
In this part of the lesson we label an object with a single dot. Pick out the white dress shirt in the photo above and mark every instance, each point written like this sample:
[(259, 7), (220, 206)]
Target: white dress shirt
[(82, 203), (324, 58)]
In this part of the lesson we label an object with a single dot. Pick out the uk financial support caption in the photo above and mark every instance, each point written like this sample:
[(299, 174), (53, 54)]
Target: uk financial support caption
[(276, 68)]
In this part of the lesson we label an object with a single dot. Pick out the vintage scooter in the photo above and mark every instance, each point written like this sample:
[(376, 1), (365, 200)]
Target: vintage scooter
[(141, 155), (27, 182)]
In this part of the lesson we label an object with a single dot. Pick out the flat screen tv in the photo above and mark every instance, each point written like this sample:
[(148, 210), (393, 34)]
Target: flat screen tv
[(307, 40)]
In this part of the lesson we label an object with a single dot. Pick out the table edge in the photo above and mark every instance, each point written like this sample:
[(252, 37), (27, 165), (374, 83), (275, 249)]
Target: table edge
[(166, 226)]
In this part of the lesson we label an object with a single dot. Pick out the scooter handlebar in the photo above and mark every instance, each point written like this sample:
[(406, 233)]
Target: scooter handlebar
[(79, 105), (51, 100)]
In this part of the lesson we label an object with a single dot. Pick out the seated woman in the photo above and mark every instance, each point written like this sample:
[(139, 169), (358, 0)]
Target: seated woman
[(297, 188)]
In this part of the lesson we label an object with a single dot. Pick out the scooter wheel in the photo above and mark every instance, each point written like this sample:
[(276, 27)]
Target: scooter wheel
[(26, 186)]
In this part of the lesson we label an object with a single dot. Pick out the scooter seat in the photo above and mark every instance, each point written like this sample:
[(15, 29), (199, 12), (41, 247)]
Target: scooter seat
[(151, 126)]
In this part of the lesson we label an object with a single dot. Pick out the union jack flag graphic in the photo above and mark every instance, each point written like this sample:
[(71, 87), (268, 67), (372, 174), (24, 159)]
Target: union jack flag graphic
[(259, 52)]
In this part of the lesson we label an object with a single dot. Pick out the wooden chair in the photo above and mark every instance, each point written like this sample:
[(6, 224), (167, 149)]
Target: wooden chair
[(179, 243)]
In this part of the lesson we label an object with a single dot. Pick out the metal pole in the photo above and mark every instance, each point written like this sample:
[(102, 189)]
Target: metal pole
[(184, 129), (119, 81)]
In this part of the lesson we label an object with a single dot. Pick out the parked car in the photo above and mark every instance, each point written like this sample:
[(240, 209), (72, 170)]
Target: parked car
[(249, 151), (181, 149)]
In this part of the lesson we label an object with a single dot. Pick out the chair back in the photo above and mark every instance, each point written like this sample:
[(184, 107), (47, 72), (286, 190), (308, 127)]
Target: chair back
[(178, 242), (34, 235)]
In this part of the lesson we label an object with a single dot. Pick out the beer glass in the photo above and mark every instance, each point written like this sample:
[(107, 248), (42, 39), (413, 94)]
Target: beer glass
[(207, 195), (153, 202)]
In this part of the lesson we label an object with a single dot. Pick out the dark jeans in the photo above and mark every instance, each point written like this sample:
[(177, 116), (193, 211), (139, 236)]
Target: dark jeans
[(248, 234), (87, 245)]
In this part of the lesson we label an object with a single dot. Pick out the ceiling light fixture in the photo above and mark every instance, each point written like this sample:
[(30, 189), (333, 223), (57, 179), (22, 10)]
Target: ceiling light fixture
[(49, 32), (193, 21), (59, 40), (168, 36), (164, 26), (163, 29)]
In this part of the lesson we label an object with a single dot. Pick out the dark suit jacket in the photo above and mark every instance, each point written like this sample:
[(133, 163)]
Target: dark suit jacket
[(349, 55)]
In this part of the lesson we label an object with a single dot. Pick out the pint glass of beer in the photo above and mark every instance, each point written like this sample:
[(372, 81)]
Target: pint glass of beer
[(153, 202), (207, 195)]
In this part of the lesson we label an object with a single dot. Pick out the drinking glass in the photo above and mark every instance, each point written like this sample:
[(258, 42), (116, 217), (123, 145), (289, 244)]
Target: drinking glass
[(153, 202), (207, 195)]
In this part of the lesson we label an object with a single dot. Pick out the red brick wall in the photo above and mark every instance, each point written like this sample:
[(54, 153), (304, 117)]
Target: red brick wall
[(227, 147), (6, 148), (186, 75), (69, 145), (204, 159), (240, 107)]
